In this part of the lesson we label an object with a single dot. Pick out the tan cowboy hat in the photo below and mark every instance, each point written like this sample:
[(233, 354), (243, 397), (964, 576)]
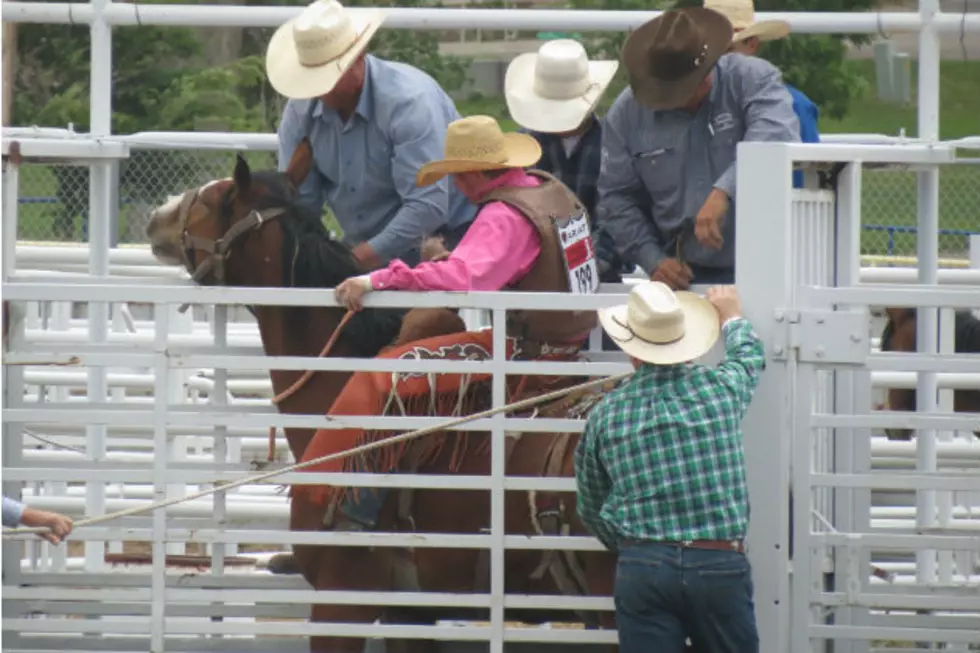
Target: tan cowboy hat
[(554, 89), (668, 57), (476, 143), (310, 53), (742, 15), (659, 326)]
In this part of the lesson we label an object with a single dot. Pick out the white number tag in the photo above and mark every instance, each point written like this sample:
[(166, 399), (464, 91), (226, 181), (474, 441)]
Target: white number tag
[(578, 253)]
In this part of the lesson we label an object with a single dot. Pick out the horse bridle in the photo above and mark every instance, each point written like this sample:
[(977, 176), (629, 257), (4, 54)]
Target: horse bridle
[(218, 250)]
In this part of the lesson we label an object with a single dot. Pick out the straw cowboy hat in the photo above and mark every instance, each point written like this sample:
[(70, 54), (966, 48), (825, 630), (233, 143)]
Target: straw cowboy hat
[(554, 89), (659, 326), (310, 53), (741, 13), (668, 57), (476, 143)]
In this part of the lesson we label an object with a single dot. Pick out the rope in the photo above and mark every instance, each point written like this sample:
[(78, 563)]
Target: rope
[(301, 381), (253, 480)]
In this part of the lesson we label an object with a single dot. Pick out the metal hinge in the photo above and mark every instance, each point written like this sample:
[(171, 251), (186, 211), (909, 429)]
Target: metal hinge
[(823, 336)]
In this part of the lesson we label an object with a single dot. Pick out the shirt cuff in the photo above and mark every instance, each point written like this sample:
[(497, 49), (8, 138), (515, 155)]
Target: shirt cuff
[(730, 320), (365, 280)]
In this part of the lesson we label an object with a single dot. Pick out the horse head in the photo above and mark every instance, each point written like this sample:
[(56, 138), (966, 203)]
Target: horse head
[(899, 335)]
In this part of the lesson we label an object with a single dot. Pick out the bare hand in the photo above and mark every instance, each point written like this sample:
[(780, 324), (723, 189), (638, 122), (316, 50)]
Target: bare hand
[(60, 525), (351, 293), (434, 249), (366, 257), (675, 274), (707, 224), (726, 302)]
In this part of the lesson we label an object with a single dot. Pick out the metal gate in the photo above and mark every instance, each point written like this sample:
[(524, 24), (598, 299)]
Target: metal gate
[(813, 483)]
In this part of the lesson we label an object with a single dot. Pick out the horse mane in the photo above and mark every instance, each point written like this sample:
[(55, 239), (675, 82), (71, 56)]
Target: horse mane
[(312, 258), (966, 330)]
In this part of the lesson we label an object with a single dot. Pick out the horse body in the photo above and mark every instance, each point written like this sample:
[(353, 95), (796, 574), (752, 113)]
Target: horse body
[(246, 231), (899, 335)]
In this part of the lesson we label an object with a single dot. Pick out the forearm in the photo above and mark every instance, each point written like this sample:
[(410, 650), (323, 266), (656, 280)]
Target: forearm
[(415, 219)]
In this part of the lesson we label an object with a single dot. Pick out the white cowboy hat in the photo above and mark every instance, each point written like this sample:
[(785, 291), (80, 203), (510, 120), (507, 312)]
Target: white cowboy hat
[(659, 326), (476, 143), (554, 89), (308, 54), (741, 13)]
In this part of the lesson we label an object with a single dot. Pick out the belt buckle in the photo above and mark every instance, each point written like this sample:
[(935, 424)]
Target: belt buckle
[(687, 544)]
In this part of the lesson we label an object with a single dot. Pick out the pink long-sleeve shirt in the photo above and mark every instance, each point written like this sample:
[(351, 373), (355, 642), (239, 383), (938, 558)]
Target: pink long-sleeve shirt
[(499, 248)]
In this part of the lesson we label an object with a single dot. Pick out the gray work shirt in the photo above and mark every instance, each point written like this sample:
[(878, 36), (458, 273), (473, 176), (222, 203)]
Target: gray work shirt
[(658, 167), (365, 168)]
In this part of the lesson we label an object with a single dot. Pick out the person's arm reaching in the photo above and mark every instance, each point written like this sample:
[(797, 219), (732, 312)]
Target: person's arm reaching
[(417, 138), (294, 126), (769, 114), (745, 355), (623, 204)]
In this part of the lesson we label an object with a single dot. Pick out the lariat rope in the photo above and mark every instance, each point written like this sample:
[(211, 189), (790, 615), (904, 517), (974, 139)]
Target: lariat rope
[(301, 381), (11, 533)]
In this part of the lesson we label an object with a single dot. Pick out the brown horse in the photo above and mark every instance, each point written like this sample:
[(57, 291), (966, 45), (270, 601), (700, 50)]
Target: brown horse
[(899, 335), (249, 231)]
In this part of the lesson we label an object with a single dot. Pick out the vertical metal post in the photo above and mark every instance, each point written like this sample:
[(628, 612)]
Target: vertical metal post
[(100, 201), (765, 283), (927, 238), (219, 399), (498, 461), (161, 386), (852, 506)]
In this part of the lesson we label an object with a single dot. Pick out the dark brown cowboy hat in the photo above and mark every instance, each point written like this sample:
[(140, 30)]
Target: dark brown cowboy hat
[(668, 57)]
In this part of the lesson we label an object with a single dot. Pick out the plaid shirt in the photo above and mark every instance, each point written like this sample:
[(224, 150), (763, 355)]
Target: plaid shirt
[(661, 457), (580, 172)]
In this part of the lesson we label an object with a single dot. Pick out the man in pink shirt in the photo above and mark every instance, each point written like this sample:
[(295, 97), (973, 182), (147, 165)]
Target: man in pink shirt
[(531, 234)]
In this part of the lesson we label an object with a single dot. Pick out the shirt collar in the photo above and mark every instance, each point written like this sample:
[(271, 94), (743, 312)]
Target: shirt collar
[(514, 177), (365, 103)]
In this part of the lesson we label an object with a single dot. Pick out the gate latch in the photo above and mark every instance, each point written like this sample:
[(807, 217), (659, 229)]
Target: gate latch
[(826, 337)]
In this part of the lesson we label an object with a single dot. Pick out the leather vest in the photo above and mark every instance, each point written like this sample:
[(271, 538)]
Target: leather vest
[(543, 205)]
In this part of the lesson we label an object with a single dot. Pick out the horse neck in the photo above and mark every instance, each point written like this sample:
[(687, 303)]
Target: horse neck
[(282, 336)]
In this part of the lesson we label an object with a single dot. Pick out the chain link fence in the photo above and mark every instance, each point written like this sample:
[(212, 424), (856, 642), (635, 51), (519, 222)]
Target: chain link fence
[(54, 199)]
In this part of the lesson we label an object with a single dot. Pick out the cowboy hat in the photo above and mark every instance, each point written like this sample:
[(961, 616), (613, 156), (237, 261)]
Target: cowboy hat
[(310, 53), (554, 89), (668, 57), (476, 143), (741, 13), (658, 326)]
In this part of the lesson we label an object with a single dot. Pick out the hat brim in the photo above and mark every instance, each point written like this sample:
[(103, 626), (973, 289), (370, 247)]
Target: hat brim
[(701, 331), (541, 114), (293, 80), (660, 94), (767, 30), (522, 151)]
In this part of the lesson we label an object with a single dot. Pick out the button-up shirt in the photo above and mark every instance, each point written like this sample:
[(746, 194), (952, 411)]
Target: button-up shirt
[(658, 167), (661, 457), (579, 170), (365, 169)]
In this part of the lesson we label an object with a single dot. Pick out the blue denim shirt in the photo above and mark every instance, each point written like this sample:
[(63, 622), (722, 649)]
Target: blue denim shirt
[(658, 167), (365, 169), (808, 114), (12, 512)]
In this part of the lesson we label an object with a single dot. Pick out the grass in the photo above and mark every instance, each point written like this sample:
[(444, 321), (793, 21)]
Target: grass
[(889, 197)]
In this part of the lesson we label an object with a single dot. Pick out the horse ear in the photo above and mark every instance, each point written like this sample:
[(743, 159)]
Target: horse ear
[(242, 175), (300, 163)]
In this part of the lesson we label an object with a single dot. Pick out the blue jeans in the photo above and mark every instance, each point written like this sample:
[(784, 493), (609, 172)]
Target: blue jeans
[(665, 594)]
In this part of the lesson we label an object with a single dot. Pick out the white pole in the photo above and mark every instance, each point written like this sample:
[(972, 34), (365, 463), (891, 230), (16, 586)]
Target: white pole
[(927, 329)]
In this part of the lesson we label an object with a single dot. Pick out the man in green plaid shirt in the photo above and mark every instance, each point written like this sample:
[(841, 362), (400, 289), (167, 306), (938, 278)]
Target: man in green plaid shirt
[(661, 472)]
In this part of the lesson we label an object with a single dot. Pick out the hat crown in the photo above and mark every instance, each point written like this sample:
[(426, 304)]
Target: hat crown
[(741, 13), (654, 313), (323, 32), (476, 138), (561, 70), (680, 47)]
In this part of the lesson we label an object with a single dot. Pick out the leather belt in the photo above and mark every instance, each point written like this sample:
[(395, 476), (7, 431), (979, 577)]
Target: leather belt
[(713, 545)]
